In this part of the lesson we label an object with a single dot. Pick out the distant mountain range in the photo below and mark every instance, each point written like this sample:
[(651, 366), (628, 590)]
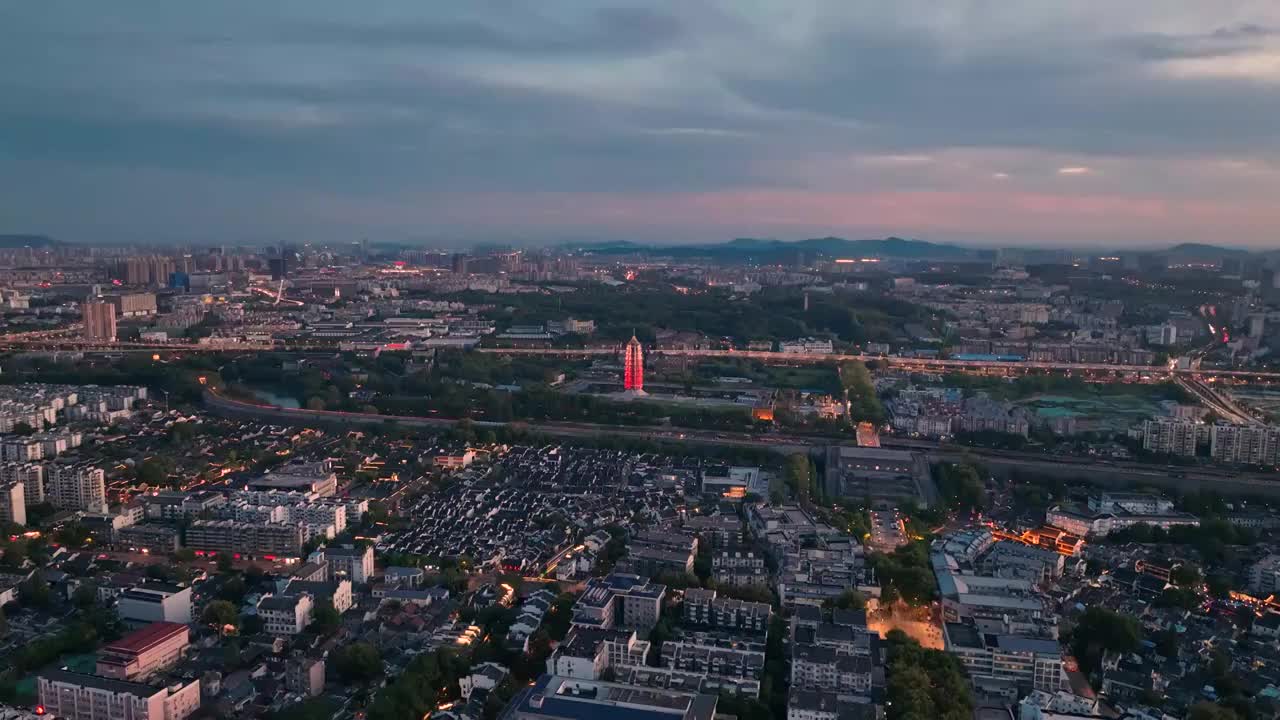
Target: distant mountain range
[(769, 250), (1205, 252)]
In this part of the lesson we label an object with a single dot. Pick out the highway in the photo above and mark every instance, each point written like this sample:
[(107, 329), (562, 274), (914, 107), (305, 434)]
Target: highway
[(1121, 473), (221, 404), (1218, 402), (20, 343), (924, 364)]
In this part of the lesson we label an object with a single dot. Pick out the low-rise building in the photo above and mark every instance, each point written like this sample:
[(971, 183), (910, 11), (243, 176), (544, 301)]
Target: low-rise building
[(157, 539), (560, 698), (1015, 560), (305, 676), (1086, 523), (354, 563), (717, 531), (739, 568), (724, 660), (586, 653), (1264, 576), (245, 538), (145, 651), (821, 705), (155, 602), (619, 600), (285, 614), (485, 676), (457, 461), (67, 694), (702, 607), (336, 592), (807, 346), (727, 480), (1032, 662), (817, 667)]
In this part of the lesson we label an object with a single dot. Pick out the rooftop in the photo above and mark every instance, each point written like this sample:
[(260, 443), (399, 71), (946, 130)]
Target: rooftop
[(101, 683), (558, 697), (146, 638), (1026, 644), (347, 551)]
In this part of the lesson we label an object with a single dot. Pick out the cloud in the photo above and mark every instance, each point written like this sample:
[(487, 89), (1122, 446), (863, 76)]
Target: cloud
[(892, 161), (554, 106)]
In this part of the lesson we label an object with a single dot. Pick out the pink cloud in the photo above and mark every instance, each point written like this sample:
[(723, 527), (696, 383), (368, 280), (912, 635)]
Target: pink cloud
[(1026, 216)]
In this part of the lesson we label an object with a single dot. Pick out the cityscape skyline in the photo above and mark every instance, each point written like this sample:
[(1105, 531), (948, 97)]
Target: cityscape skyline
[(822, 480), (1083, 126)]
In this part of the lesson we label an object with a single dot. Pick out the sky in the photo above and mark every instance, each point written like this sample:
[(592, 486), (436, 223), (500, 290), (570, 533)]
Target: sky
[(1036, 123)]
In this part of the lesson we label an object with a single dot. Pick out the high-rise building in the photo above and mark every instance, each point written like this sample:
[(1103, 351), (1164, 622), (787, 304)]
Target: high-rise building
[(30, 474), (99, 321), (1245, 444), (134, 304), (633, 367), (460, 264), (1170, 437), (145, 270), (281, 260), (77, 487), (13, 504)]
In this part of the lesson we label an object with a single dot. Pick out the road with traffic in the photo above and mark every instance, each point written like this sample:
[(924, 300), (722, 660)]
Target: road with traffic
[(910, 363), (1030, 463), (19, 343)]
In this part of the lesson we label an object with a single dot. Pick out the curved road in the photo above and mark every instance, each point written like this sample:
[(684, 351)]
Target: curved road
[(923, 363), (779, 443), (14, 342), (1222, 480)]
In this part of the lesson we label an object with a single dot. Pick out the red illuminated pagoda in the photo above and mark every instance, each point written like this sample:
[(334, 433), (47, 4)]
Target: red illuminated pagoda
[(633, 367)]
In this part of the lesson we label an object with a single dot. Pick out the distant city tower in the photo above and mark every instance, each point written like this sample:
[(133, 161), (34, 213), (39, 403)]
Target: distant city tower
[(633, 366)]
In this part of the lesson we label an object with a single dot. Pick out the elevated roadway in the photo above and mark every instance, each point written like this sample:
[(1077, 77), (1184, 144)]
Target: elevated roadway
[(926, 364), (1218, 402), (1001, 462), (18, 343)]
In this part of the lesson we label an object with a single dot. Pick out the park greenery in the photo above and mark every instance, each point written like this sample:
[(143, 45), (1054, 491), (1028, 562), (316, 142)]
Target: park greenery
[(864, 403), (1098, 631), (961, 485), (432, 678), (905, 574), (924, 684), (799, 479), (771, 314), (89, 624), (389, 388), (1027, 386), (179, 378)]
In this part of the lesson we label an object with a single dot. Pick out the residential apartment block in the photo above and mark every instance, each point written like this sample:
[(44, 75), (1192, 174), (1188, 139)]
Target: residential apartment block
[(67, 694)]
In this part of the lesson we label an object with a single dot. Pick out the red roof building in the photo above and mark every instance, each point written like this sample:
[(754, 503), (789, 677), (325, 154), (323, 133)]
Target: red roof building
[(144, 652)]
